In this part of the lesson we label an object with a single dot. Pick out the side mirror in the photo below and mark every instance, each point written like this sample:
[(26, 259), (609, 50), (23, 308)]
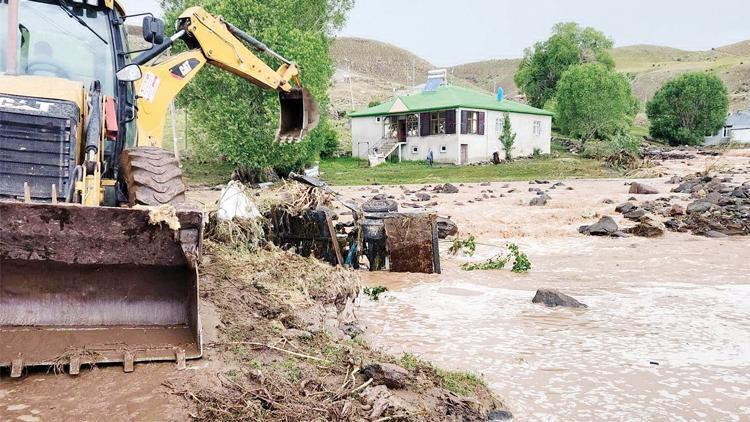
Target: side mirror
[(130, 73), (153, 30)]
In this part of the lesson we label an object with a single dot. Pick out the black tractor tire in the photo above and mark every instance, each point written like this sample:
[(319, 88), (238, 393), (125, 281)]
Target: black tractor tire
[(380, 206), (153, 177)]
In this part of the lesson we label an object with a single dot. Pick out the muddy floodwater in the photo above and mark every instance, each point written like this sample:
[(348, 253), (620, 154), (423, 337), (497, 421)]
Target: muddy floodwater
[(666, 336)]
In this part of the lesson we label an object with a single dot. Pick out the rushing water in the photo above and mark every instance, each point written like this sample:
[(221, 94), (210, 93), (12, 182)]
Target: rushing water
[(666, 335)]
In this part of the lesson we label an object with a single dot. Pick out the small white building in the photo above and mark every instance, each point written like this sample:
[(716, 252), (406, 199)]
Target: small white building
[(459, 125), (735, 130)]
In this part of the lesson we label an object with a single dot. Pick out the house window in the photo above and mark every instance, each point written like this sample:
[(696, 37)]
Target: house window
[(472, 122), (727, 132), (443, 149), (537, 127), (437, 122), (415, 150), (412, 125), (391, 127), (499, 125)]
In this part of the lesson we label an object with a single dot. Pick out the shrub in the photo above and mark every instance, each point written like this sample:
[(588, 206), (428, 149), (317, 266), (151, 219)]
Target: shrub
[(507, 137), (688, 108), (594, 102)]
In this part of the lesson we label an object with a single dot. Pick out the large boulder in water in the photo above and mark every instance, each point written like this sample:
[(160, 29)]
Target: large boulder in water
[(446, 227), (554, 298), (642, 189), (606, 226)]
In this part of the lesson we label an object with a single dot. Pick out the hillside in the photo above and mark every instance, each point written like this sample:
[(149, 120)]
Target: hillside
[(380, 70), (369, 70)]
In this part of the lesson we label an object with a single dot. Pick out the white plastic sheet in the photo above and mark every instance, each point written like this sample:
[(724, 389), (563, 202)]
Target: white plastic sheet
[(235, 203)]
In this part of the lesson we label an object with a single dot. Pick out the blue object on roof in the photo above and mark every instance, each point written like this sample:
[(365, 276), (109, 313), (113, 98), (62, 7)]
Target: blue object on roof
[(433, 84), (500, 93)]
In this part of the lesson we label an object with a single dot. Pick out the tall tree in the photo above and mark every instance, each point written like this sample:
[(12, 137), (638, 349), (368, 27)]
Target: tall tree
[(594, 102), (237, 119), (688, 108), (545, 62)]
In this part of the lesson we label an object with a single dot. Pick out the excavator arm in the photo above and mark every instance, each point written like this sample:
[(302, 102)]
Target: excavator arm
[(221, 44)]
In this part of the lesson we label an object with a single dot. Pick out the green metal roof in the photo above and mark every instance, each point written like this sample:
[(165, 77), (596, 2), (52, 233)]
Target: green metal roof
[(449, 97)]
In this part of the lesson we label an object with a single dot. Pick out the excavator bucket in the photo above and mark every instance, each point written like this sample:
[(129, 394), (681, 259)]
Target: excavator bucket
[(299, 115), (84, 285)]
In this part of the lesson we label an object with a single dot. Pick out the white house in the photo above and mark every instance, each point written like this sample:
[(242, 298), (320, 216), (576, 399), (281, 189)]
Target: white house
[(459, 125), (735, 130)]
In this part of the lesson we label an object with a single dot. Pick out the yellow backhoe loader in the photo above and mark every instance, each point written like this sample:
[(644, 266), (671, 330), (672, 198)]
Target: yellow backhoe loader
[(98, 252)]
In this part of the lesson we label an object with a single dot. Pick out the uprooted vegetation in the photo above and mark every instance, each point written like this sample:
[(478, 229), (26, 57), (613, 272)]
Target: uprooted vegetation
[(293, 351), (521, 262)]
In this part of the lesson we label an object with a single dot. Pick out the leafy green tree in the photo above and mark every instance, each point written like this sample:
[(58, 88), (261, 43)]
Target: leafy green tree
[(507, 137), (545, 62), (688, 108), (241, 119), (594, 102)]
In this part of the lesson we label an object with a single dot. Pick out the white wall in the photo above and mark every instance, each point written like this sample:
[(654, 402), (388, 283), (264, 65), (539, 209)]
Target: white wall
[(424, 143), (741, 135), (368, 131)]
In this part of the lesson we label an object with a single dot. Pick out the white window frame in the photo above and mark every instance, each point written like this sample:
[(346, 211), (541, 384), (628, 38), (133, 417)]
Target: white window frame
[(472, 122), (412, 125), (499, 125), (415, 149), (727, 131), (438, 122), (443, 149), (537, 128)]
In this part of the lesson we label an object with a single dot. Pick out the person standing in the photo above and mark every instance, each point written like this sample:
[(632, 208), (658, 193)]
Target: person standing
[(429, 157)]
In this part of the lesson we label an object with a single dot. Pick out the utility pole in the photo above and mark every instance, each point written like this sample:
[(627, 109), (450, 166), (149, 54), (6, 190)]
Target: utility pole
[(11, 58), (351, 89)]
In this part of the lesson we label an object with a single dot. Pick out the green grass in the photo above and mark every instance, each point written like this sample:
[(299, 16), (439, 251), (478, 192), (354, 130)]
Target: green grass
[(461, 383), (639, 131), (199, 173), (350, 171)]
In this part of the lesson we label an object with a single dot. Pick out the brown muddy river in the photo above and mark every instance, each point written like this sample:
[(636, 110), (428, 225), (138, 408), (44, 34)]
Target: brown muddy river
[(666, 336), (662, 339)]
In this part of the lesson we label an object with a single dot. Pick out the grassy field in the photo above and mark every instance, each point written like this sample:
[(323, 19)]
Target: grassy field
[(349, 171)]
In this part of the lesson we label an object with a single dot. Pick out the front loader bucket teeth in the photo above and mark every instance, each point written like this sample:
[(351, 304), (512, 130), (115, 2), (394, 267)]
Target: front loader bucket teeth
[(84, 285), (299, 115)]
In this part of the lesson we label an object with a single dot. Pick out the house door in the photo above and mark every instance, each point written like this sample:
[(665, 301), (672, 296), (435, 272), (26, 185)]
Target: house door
[(464, 154), (401, 131)]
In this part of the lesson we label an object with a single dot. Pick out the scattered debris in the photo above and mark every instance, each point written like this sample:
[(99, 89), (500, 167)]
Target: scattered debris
[(553, 298), (521, 262), (374, 292), (387, 374), (466, 246), (163, 214)]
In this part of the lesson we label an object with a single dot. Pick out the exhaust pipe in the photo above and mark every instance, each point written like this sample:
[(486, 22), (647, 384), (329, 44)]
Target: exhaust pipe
[(300, 114)]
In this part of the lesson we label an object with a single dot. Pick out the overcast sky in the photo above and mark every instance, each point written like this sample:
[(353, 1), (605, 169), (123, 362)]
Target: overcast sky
[(449, 32)]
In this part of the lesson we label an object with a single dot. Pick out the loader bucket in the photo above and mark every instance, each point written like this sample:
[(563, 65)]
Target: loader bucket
[(84, 285), (299, 115)]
